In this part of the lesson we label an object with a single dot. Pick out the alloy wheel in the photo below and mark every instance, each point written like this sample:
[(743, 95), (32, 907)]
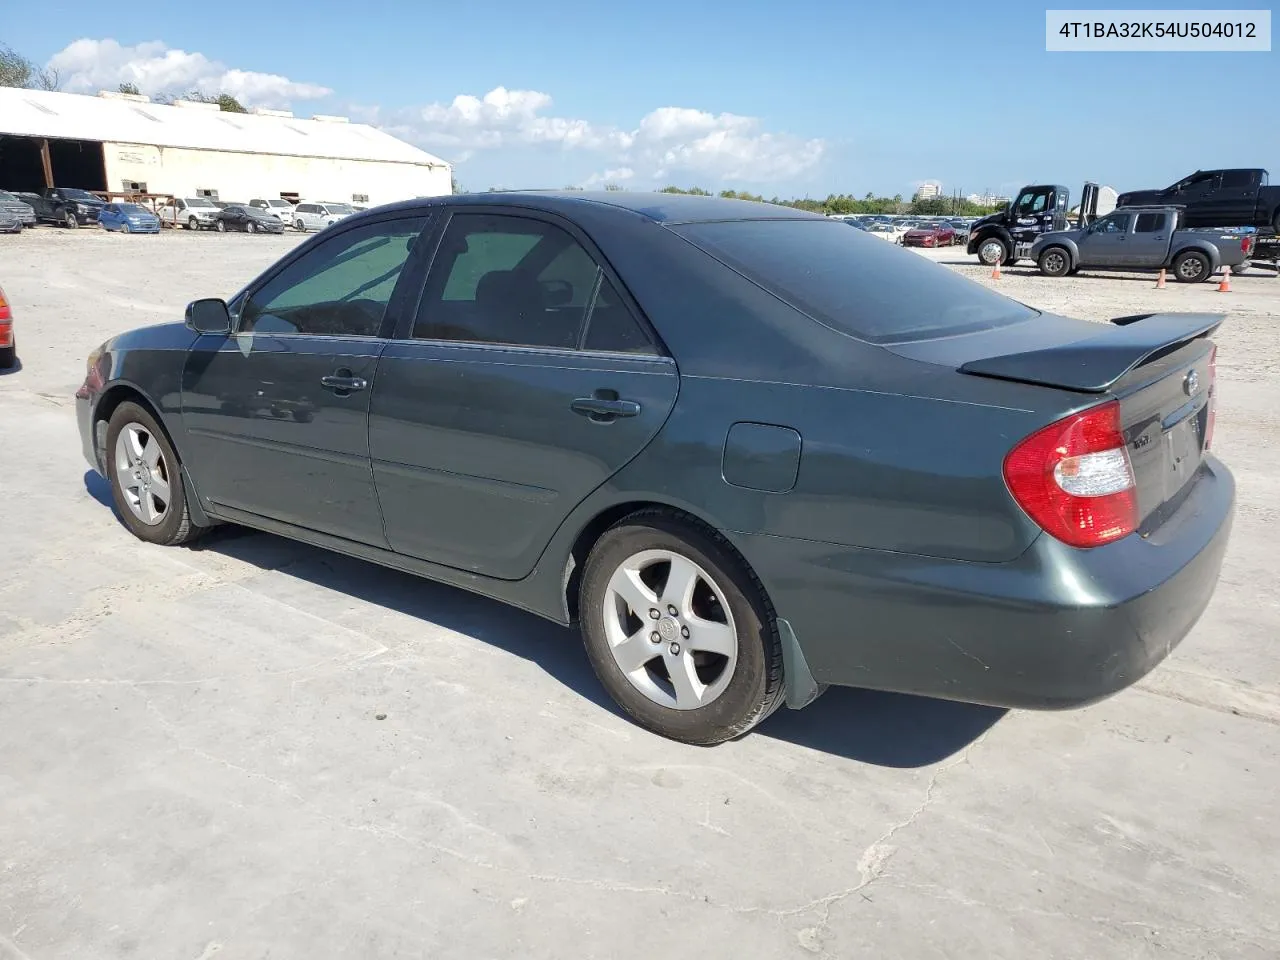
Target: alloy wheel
[(143, 474), (670, 629)]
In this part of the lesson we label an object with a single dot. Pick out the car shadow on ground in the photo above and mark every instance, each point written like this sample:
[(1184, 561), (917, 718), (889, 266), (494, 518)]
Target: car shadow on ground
[(884, 729)]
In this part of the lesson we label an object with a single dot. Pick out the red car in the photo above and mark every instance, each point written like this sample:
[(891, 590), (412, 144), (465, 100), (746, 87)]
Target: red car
[(930, 235), (8, 348)]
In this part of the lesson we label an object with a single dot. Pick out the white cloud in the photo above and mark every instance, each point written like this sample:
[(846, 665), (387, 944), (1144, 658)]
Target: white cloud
[(667, 142), (618, 175), (87, 66)]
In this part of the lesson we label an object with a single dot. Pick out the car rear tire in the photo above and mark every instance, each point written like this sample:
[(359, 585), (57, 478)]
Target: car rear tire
[(69, 220), (1191, 266), (146, 478), (993, 250), (1055, 262), (715, 670)]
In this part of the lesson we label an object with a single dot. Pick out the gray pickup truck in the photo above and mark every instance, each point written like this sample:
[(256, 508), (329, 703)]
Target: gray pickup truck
[(1140, 238)]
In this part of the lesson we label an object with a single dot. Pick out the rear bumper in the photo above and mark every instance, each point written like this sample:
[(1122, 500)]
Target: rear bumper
[(1056, 628)]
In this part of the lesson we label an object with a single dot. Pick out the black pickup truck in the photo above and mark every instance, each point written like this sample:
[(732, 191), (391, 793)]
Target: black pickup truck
[(64, 205), (1217, 198)]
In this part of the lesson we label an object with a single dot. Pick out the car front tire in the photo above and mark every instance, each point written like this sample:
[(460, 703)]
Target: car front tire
[(1055, 262), (69, 220), (146, 478), (679, 631), (992, 251)]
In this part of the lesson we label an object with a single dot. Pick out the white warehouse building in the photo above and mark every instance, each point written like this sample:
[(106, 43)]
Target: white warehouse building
[(121, 143)]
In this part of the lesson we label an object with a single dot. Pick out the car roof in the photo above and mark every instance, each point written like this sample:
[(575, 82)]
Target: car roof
[(658, 207)]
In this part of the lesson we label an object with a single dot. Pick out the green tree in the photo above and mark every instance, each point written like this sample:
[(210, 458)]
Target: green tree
[(17, 71), (225, 101), (131, 88)]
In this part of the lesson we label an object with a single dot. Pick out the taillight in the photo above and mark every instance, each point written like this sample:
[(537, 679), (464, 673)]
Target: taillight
[(1075, 480), (1246, 245), (6, 314), (1212, 414)]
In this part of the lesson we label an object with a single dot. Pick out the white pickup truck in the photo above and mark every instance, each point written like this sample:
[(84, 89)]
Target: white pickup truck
[(191, 213)]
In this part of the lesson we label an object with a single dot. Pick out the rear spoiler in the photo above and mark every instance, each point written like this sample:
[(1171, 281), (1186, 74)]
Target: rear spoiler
[(1094, 364)]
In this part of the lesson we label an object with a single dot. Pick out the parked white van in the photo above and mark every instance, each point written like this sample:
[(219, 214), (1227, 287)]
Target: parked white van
[(317, 216)]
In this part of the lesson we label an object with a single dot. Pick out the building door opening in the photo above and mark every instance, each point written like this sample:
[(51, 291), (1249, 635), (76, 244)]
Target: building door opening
[(78, 163), (20, 165), (72, 163)]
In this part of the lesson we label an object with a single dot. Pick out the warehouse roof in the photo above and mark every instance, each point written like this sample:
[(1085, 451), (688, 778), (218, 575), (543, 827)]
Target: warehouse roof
[(120, 119)]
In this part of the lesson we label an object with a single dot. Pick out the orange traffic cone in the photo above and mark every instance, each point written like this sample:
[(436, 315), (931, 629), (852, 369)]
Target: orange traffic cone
[(1160, 280), (995, 271), (1225, 285)]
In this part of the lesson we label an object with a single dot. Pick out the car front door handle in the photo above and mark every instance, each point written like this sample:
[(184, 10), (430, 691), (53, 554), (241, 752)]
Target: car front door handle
[(336, 381), (604, 409)]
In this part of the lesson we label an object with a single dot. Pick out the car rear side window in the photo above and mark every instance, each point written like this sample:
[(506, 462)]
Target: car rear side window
[(852, 282), (1237, 179), (340, 288), (506, 279), (612, 327), (1149, 223)]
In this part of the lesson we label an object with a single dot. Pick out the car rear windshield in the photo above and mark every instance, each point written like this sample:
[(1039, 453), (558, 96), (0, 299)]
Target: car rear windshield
[(853, 283)]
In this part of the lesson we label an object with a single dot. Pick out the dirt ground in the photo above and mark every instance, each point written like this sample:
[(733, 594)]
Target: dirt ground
[(258, 749)]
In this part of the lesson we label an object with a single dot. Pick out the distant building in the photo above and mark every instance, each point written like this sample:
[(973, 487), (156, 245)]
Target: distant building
[(987, 200), (125, 143), (928, 191)]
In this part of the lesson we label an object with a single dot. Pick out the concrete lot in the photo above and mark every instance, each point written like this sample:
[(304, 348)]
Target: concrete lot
[(192, 764)]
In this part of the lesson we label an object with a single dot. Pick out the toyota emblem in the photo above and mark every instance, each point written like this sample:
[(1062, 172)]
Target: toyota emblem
[(1191, 384)]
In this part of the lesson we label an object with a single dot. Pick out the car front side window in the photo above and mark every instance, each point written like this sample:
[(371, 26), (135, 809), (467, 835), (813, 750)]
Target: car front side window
[(1116, 224), (341, 288)]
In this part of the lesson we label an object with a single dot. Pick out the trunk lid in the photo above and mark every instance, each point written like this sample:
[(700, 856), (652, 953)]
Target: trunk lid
[(1160, 367)]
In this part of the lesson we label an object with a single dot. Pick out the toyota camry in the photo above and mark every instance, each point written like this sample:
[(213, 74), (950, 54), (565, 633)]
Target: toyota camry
[(749, 451)]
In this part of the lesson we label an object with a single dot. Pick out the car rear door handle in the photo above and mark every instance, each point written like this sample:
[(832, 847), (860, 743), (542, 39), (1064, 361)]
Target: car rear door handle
[(342, 381), (604, 409)]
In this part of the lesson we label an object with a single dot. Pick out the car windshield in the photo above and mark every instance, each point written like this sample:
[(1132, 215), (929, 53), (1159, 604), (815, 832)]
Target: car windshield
[(78, 194), (133, 208), (7, 197), (201, 202), (339, 208), (872, 291), (278, 203)]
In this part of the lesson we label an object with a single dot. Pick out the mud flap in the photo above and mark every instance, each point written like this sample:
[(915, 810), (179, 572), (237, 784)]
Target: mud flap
[(801, 688)]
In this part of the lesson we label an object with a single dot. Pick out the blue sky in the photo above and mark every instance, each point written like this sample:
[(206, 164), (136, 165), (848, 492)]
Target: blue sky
[(779, 98)]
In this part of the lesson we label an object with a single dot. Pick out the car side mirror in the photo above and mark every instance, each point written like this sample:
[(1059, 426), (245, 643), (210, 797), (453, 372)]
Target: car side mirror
[(209, 316)]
